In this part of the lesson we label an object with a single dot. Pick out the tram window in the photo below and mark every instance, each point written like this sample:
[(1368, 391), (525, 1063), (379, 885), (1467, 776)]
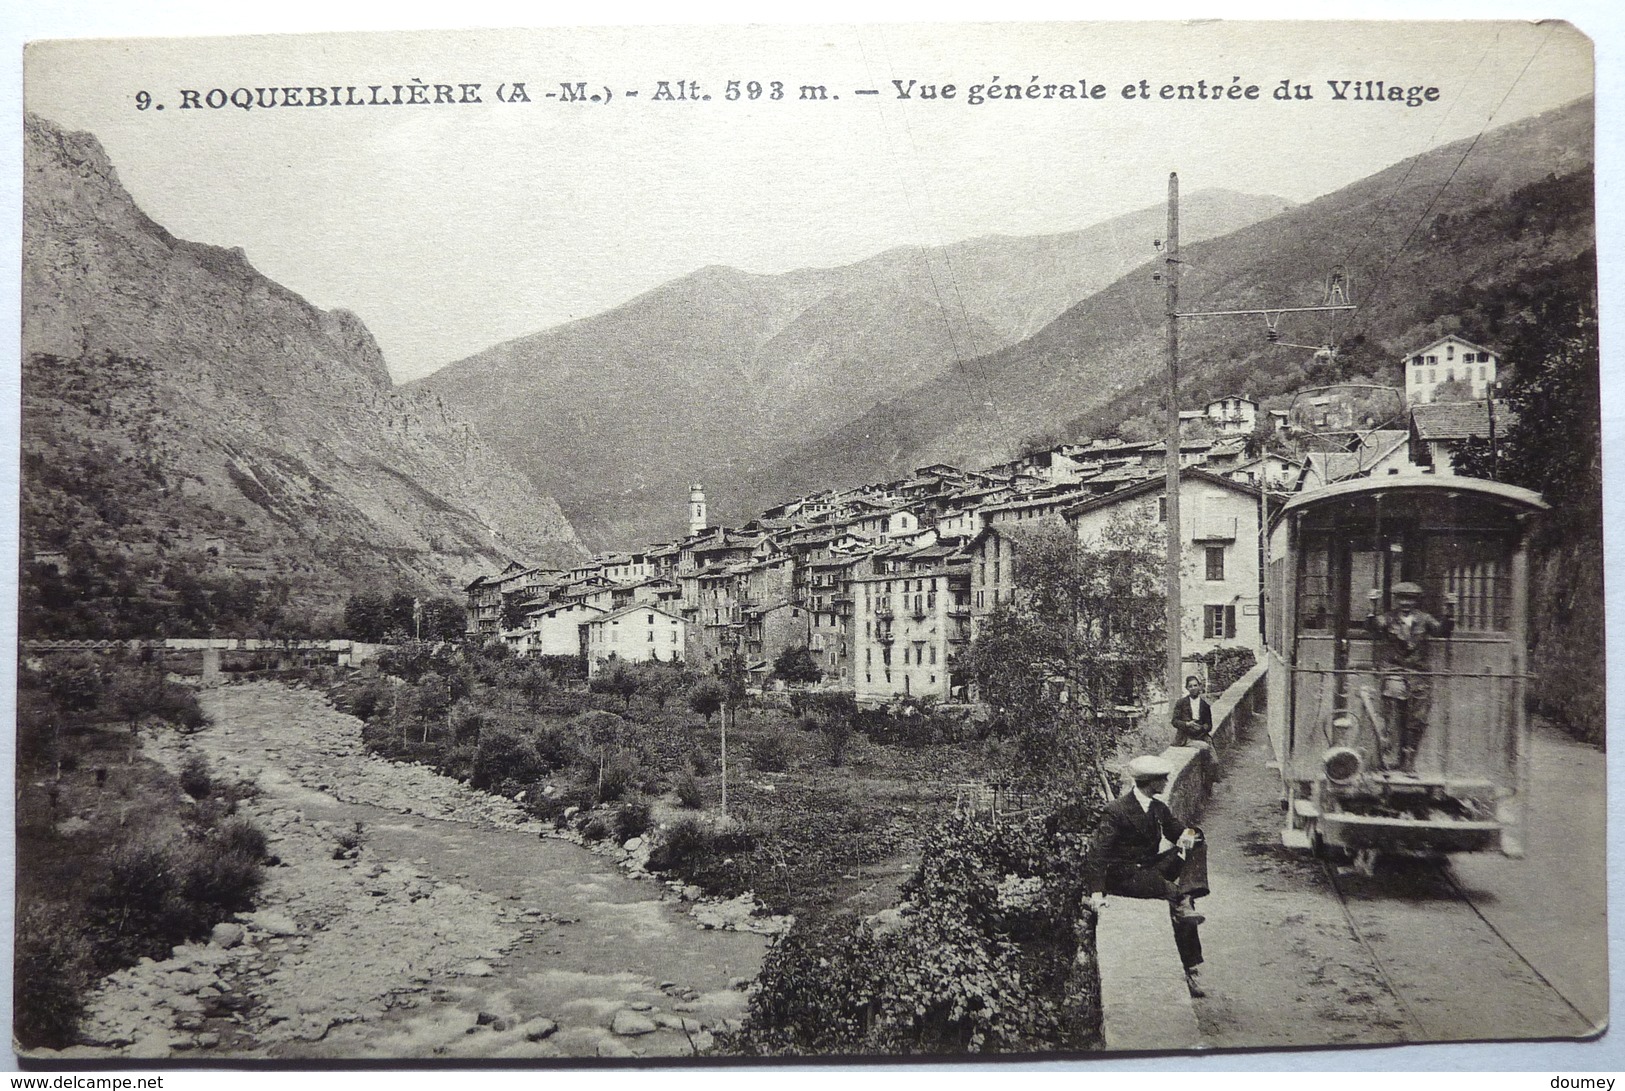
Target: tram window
[(1365, 573), (1474, 569), (1315, 591)]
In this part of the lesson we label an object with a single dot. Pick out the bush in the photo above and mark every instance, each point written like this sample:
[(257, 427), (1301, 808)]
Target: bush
[(194, 777), (633, 820), (770, 752), (1226, 666), (597, 828), (551, 808), (242, 838), (365, 699), (983, 959), (697, 853), (688, 791), (503, 754), (616, 776), (49, 982)]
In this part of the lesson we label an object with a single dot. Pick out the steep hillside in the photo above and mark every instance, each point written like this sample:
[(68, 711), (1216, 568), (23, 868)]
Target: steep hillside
[(1415, 240), (174, 396), (719, 371)]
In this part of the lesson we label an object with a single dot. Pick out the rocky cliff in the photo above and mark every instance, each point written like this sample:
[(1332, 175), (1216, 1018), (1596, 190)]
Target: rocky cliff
[(173, 395)]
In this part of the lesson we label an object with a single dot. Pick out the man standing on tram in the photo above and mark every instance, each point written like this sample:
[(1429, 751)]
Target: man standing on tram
[(1401, 636)]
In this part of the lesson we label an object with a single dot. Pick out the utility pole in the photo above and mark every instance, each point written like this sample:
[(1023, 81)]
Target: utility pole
[(1336, 300), (1176, 656)]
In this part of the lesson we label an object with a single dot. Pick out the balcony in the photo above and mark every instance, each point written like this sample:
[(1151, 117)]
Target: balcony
[(959, 611), (886, 637), (884, 611)]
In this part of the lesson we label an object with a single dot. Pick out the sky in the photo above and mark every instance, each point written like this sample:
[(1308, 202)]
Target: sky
[(449, 228)]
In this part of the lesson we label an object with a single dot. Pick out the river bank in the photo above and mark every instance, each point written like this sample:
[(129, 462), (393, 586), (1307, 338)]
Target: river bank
[(408, 916)]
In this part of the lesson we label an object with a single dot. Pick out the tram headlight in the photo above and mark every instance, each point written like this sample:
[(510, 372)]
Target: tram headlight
[(1341, 764)]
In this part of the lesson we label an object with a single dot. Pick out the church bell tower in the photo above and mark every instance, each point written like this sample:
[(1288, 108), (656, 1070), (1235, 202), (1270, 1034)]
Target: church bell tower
[(696, 509)]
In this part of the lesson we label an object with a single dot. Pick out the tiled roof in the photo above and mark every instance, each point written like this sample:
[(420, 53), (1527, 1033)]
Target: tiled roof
[(1459, 420)]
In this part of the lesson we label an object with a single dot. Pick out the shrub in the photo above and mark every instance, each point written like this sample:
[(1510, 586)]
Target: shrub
[(194, 777), (503, 754), (350, 842), (241, 837), (970, 969), (215, 884), (1226, 666), (367, 698), (48, 986), (551, 808), (770, 752), (633, 820), (597, 828), (697, 853), (688, 791), (616, 776)]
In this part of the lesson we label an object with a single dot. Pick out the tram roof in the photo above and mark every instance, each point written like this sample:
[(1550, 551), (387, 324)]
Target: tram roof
[(1419, 483)]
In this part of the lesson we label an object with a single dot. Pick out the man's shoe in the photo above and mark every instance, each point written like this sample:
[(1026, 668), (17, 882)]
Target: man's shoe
[(1185, 912)]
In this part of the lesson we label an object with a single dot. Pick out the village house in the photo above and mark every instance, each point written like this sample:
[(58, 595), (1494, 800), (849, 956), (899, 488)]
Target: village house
[(1233, 416), (633, 634), (1221, 527), (828, 601), (1438, 430), (1469, 368), (993, 554), (484, 608), (651, 589), (1375, 454), (914, 613), (554, 628)]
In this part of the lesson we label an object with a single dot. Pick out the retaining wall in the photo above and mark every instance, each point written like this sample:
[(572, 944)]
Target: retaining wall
[(1143, 999)]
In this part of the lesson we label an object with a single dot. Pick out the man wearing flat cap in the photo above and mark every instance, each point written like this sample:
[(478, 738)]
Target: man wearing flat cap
[(1127, 858), (1400, 637)]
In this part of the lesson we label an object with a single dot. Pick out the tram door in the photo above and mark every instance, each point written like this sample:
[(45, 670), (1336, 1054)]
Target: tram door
[(1359, 567)]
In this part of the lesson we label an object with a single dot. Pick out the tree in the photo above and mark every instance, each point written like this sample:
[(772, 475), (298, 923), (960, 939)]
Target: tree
[(616, 678), (660, 682), (431, 699), (1086, 630), (796, 664), (834, 711), (1139, 429), (513, 611), (705, 697), (443, 619)]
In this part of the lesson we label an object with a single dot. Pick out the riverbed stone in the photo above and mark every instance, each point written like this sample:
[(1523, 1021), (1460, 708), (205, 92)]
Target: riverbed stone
[(630, 1024), (226, 934), (538, 1029)]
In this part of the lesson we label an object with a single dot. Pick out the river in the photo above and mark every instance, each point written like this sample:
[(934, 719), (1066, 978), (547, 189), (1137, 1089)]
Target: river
[(456, 927)]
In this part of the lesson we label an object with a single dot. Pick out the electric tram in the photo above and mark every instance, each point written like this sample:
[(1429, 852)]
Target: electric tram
[(1425, 756)]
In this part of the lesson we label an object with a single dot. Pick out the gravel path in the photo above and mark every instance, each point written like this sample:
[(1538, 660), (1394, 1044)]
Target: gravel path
[(1284, 967), (461, 928)]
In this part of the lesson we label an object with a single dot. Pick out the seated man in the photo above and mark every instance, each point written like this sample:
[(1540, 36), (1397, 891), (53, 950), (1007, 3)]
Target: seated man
[(1193, 716), (1127, 858)]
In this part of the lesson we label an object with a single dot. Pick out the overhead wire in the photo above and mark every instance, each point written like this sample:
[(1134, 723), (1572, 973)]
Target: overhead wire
[(972, 366), (1384, 279)]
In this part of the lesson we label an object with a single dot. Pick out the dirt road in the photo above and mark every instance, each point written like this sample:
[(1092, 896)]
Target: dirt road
[(454, 931), (1286, 967)]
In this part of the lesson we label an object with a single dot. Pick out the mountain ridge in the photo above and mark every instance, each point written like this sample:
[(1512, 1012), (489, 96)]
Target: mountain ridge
[(703, 377), (1111, 344), (270, 424)]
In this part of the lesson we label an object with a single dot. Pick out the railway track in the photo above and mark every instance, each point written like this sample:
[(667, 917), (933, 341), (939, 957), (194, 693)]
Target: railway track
[(1453, 973)]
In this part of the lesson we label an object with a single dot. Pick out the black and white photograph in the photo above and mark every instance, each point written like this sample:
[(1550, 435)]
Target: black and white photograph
[(706, 544)]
